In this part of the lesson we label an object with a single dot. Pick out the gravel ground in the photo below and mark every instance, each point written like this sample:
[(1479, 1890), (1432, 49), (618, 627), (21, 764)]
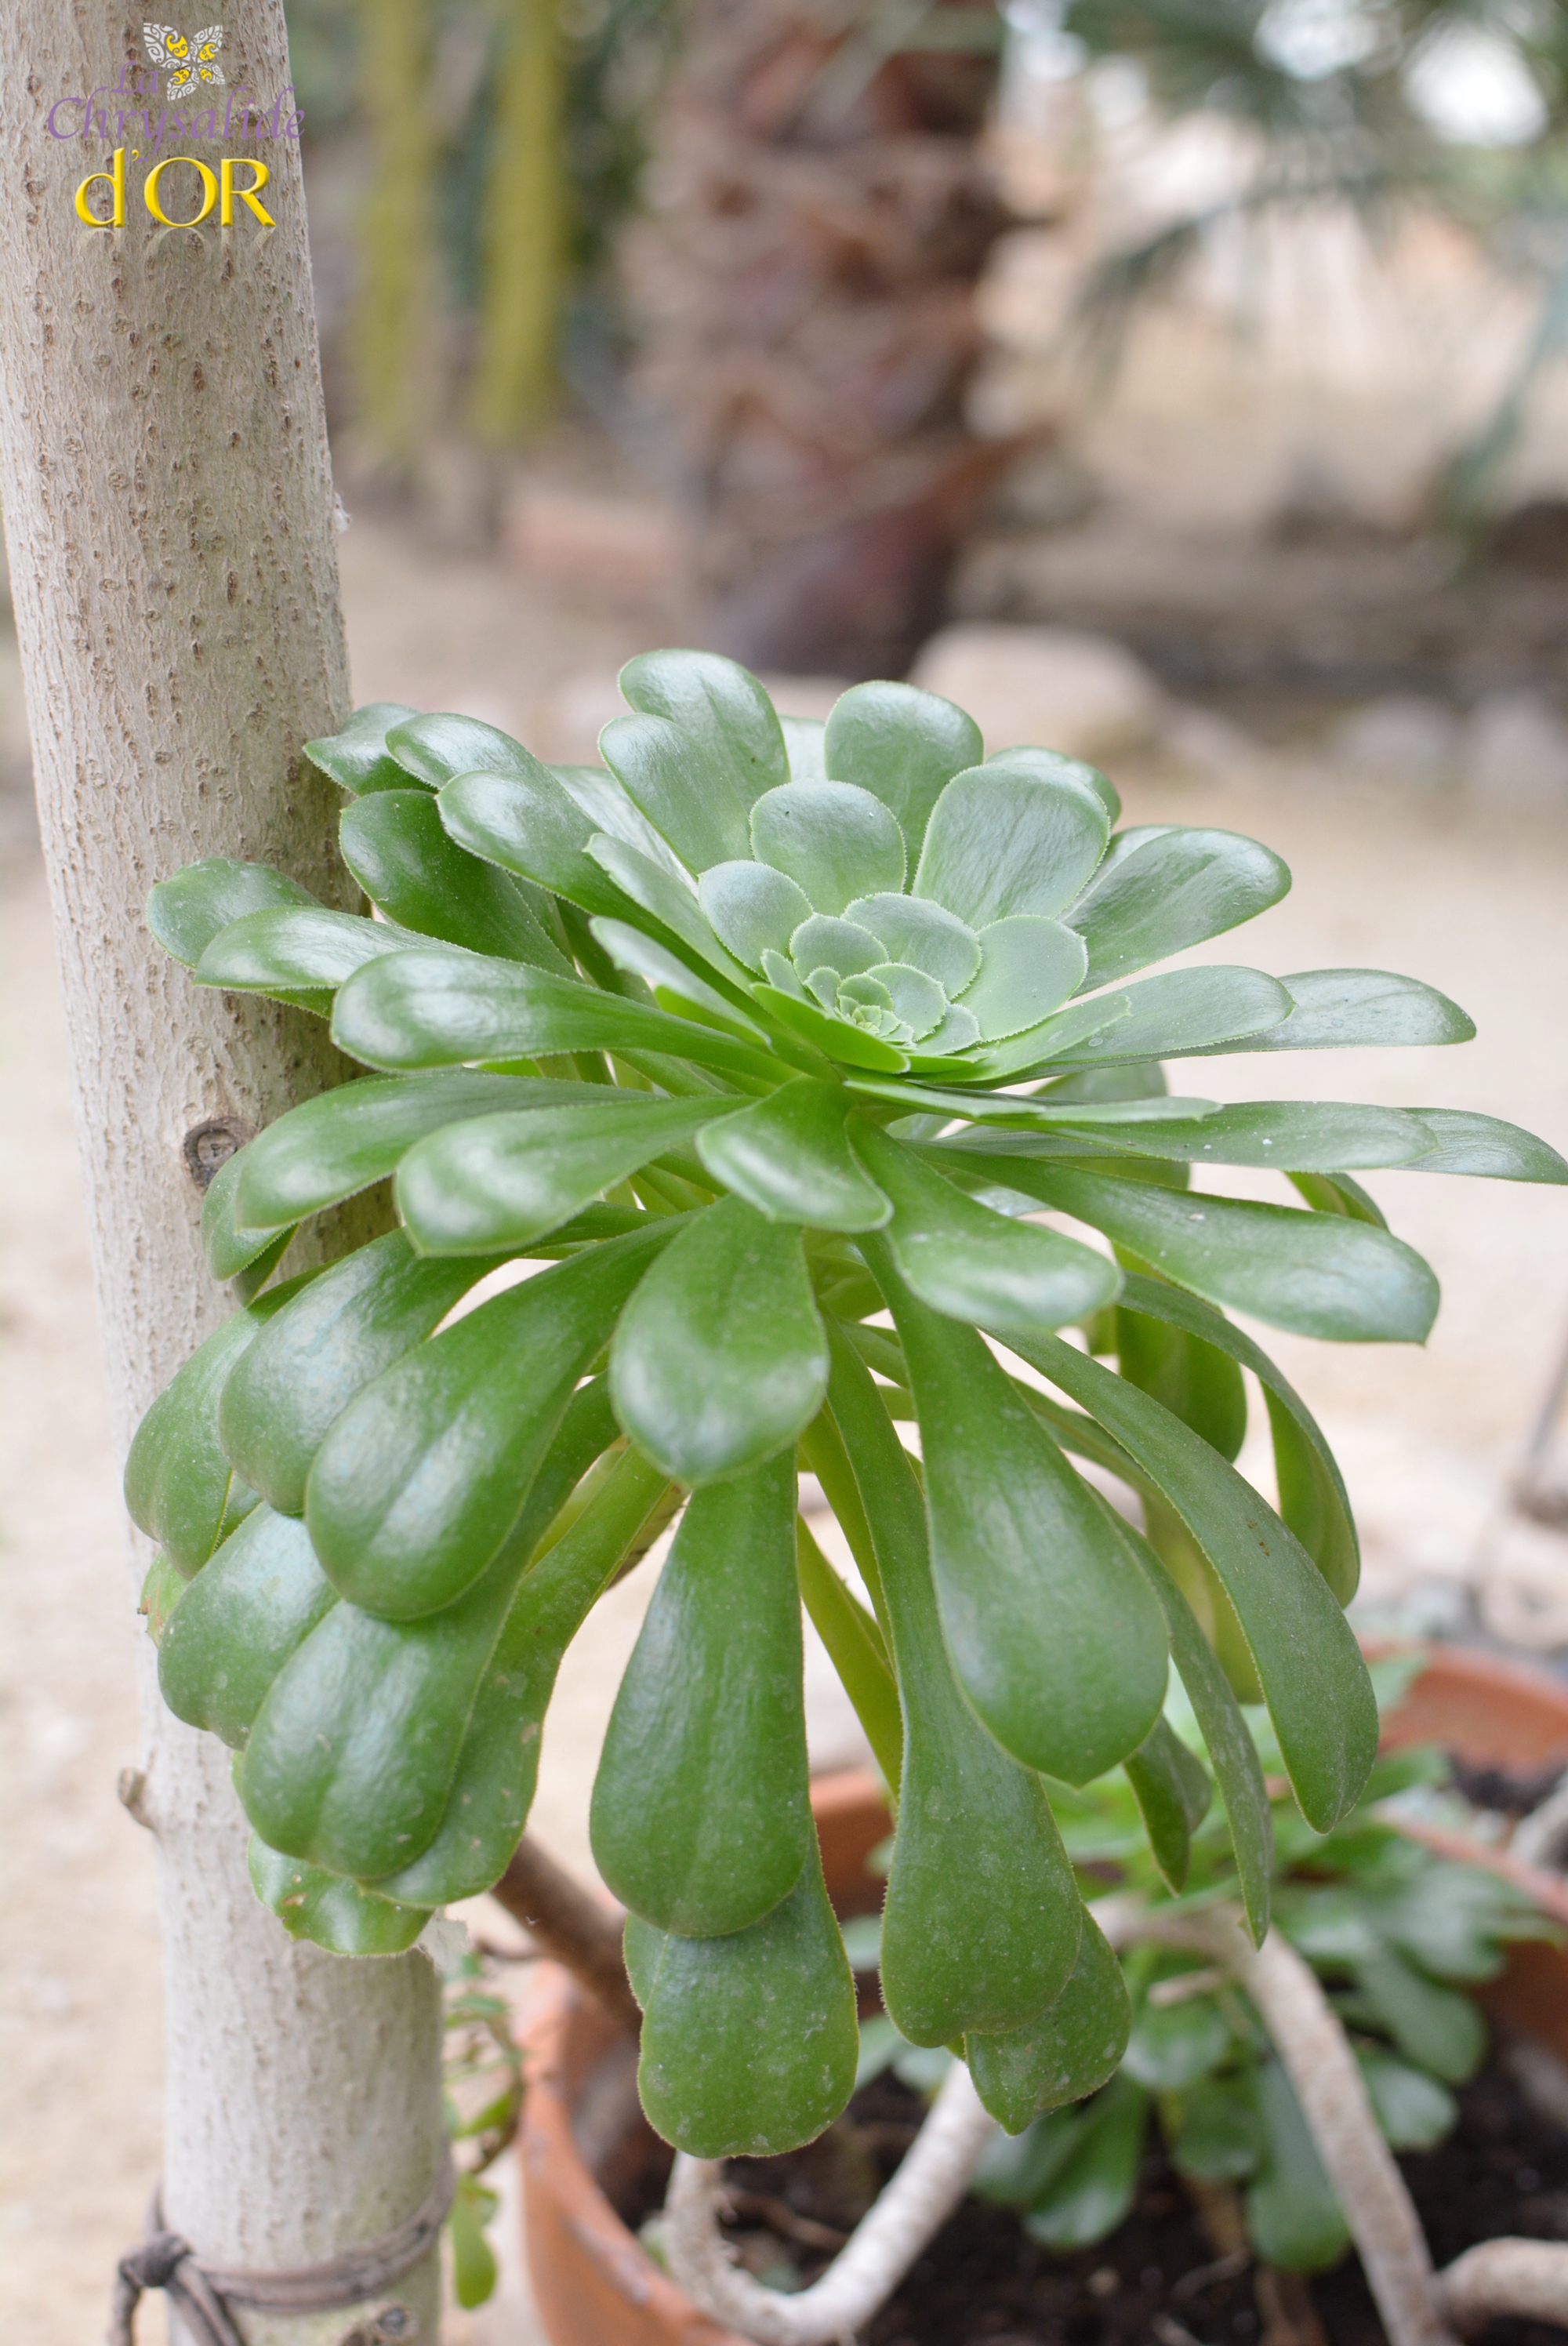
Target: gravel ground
[(1428, 1438)]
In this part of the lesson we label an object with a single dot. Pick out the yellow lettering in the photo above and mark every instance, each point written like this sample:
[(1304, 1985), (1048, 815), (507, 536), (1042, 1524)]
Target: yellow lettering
[(246, 195), (115, 181), (209, 192)]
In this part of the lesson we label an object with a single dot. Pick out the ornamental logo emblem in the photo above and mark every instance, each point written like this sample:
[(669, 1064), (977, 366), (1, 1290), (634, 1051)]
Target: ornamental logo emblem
[(190, 58)]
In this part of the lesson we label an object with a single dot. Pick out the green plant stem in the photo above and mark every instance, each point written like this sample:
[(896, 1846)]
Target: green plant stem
[(857, 1652)]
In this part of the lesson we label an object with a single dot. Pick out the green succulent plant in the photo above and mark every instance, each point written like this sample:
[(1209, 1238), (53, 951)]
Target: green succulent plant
[(771, 1040)]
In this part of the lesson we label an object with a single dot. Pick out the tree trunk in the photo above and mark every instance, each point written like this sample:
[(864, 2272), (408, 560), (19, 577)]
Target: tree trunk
[(168, 509)]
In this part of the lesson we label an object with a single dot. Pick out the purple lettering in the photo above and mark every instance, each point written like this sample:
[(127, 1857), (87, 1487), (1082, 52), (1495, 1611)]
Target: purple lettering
[(54, 109), (292, 127)]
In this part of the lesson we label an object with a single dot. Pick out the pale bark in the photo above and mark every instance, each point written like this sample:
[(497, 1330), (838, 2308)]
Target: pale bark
[(168, 510)]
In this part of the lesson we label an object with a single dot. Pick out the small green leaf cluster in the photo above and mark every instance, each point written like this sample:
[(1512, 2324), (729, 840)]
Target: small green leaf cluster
[(1398, 1935), (719, 1087)]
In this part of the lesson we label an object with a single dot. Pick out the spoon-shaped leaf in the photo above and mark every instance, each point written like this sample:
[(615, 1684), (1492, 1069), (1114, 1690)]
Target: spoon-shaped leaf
[(1028, 969), (256, 1602), (719, 1360), (447, 1007), (1002, 839), (788, 1156), (1172, 890), (296, 954), (700, 1818), (326, 1345), (850, 1046), (186, 911), (327, 1909), (422, 1479), (982, 1925), (835, 842), (1285, 1135), (356, 1753), (491, 1787), (1334, 1008), (529, 824), (1068, 2053), (970, 1263), (1467, 1143), (752, 909), (1185, 1013), (497, 1182), (358, 759), (433, 747), (911, 930), (1198, 1381), (717, 704), (398, 850), (1053, 1632), (903, 745), (1173, 1793), (696, 804), (1317, 1274), (1310, 1668), (334, 1145), (748, 2042)]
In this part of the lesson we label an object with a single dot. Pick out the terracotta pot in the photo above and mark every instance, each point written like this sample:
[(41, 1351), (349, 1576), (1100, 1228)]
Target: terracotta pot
[(594, 2283)]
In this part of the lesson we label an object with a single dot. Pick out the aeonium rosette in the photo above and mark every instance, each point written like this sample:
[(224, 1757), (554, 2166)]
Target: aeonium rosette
[(772, 1040)]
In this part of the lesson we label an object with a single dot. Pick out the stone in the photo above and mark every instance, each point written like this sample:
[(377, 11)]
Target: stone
[(1515, 751), (1405, 736), (1055, 687)]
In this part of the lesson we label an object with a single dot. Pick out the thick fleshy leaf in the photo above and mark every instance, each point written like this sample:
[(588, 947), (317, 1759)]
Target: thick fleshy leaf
[(1053, 766), (1334, 1008), (1055, 1039), (1070, 2052), (695, 804), (1004, 840), (395, 845), (1412, 2110), (916, 999), (186, 911), (1055, 1633), (250, 1609), (597, 793), (1173, 1794), (826, 940), (752, 909), (1293, 2218), (328, 1911), (491, 1787), (357, 1758), (1313, 1677), (670, 902), (297, 953), (970, 1263), (1316, 1274), (357, 758), (835, 842), (983, 1922), (1439, 2027), (323, 1348), (527, 822), (855, 1648), (442, 1008), (719, 1360), (422, 1479), (1313, 1499), (911, 930), (903, 745), (1198, 1382), (1284, 1136), (1219, 2137), (330, 1147), (788, 1156), (717, 704), (1185, 1013), (1467, 1143), (1233, 1755), (673, 986), (748, 2042), (437, 748), (229, 1247), (1173, 889), (1028, 968), (179, 1487), (850, 1046), (1173, 2045), (1093, 2189), (701, 1821), (495, 1183)]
